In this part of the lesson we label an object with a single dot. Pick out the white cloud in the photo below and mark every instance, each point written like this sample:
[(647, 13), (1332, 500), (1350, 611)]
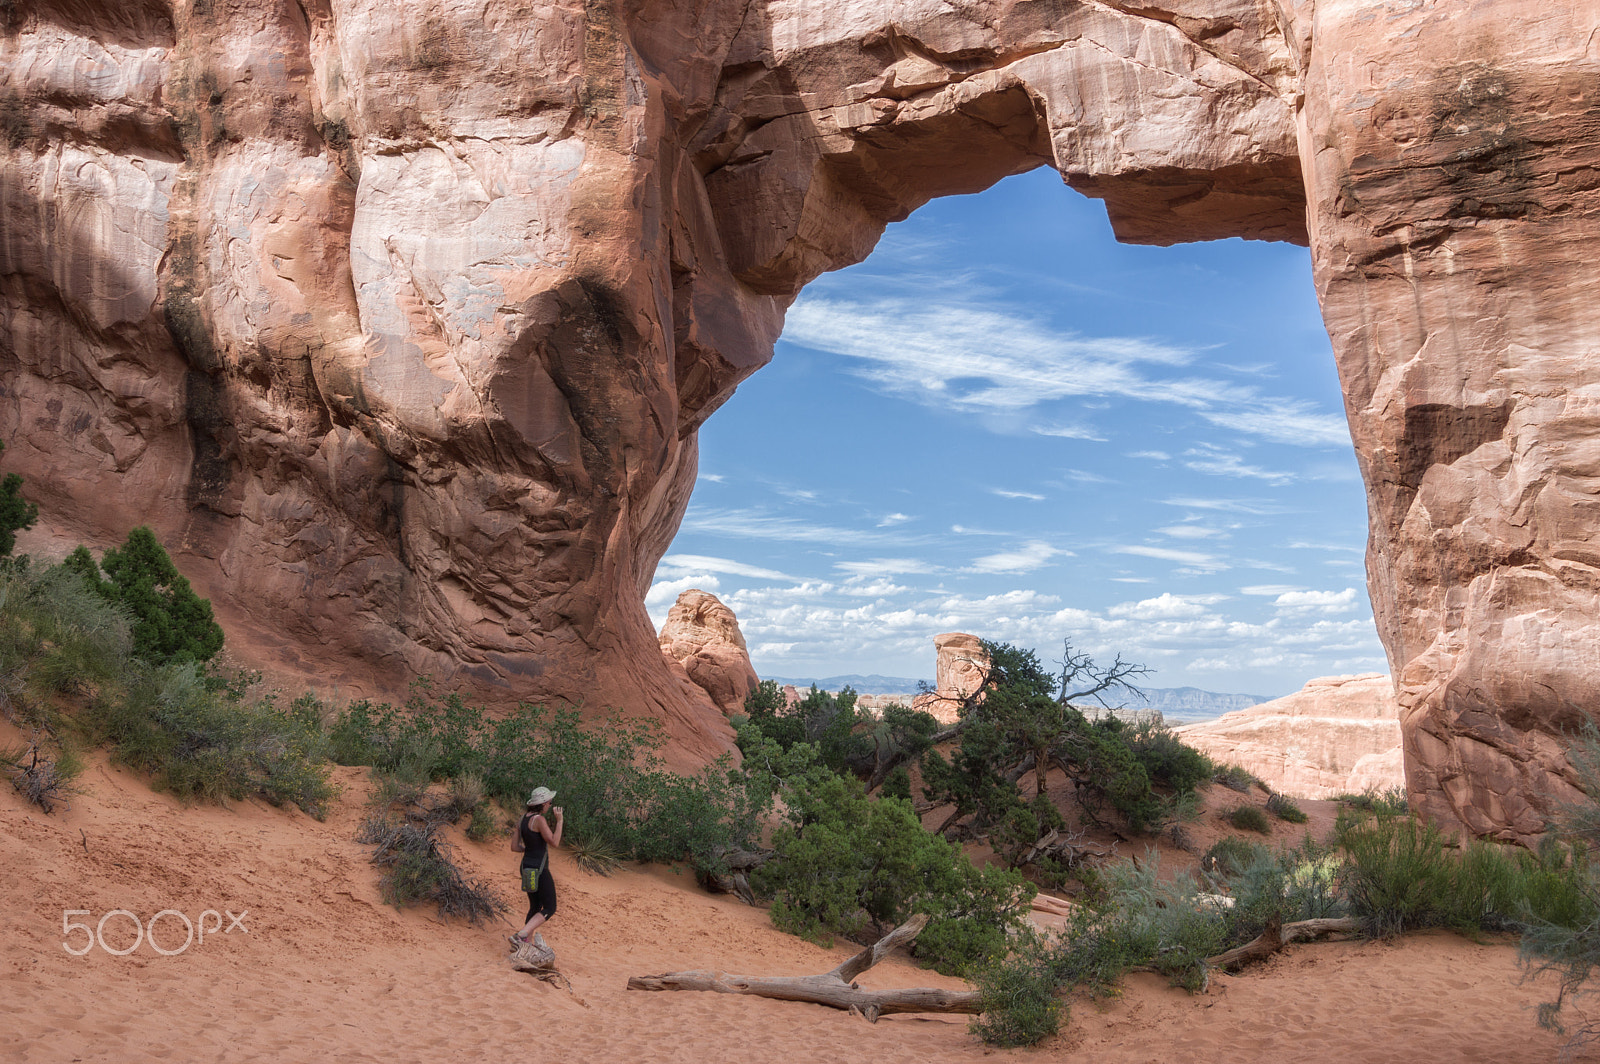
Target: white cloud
[(1208, 458), (1269, 589), (1155, 456), (757, 524), (1254, 507), (872, 567), (1320, 601), (1301, 545), (1195, 559), (1004, 494), (707, 564), (963, 530), (663, 593), (1166, 606), (978, 356), (1083, 476), (1287, 421), (715, 478), (1192, 532), (1069, 432), (889, 520), (1027, 558)]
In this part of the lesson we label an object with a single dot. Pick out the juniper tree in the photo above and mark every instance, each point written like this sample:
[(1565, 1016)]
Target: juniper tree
[(171, 624)]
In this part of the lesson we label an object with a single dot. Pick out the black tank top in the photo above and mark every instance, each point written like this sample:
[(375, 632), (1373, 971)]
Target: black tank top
[(534, 851)]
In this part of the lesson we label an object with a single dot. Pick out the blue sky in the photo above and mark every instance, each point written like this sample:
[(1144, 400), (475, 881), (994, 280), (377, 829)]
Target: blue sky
[(1004, 422)]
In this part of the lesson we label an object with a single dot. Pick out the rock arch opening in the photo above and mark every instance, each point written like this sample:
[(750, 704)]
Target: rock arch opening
[(1005, 421)]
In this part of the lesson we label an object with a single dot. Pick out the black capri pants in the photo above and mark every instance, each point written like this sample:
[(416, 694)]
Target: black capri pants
[(542, 900)]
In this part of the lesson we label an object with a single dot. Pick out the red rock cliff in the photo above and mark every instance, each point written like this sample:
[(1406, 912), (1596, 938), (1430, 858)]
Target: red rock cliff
[(397, 320)]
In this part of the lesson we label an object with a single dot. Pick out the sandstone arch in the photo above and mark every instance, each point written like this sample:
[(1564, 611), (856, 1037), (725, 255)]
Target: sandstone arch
[(435, 295)]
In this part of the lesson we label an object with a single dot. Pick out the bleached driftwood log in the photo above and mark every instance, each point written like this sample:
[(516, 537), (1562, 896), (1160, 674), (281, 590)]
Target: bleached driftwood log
[(1277, 936), (836, 989)]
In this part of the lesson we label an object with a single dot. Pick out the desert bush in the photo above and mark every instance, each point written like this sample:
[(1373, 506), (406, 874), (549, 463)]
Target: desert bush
[(420, 866), (1248, 818), (484, 825), (1019, 994), (849, 865), (1230, 855), (56, 637), (607, 775), (1562, 930), (1396, 875), (1284, 808), (1235, 778), (1167, 761), (201, 743), (1391, 802)]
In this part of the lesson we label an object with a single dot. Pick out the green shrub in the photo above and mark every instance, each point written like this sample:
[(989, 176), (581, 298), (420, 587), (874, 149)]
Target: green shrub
[(1249, 818), (1167, 761), (56, 637), (171, 624), (1391, 802), (974, 917), (897, 784), (200, 743), (1231, 855), (1396, 876), (1235, 778), (1019, 996), (16, 513), (1284, 808), (483, 826), (1142, 920), (607, 776)]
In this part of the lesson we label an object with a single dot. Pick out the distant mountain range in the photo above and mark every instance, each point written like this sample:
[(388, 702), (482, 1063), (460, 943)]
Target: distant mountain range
[(1176, 704), (862, 685)]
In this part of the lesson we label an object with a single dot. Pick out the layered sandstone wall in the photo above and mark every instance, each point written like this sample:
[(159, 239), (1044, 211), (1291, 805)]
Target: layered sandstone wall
[(397, 320), (1337, 735)]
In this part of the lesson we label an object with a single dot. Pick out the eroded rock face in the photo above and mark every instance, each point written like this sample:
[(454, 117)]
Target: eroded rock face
[(702, 636), (959, 666), (397, 320), (1337, 735)]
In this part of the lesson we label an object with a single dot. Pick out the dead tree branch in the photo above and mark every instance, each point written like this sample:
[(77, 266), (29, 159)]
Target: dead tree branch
[(1278, 935), (836, 989)]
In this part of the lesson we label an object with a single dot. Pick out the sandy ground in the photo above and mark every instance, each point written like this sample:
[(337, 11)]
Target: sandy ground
[(328, 971)]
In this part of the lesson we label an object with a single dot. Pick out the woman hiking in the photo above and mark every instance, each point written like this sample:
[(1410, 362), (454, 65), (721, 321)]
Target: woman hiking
[(534, 839)]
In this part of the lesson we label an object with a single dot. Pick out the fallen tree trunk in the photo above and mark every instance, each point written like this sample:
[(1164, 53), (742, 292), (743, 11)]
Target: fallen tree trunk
[(1278, 935), (836, 989)]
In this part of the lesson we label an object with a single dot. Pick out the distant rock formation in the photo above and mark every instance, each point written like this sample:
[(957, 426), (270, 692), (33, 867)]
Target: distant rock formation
[(702, 636), (1337, 735), (960, 665)]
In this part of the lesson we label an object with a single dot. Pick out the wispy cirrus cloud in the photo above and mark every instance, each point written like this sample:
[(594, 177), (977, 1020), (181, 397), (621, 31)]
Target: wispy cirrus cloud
[(1004, 494), (760, 524), (1254, 507), (961, 354), (1209, 458), (1192, 558), (704, 563), (1024, 559)]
